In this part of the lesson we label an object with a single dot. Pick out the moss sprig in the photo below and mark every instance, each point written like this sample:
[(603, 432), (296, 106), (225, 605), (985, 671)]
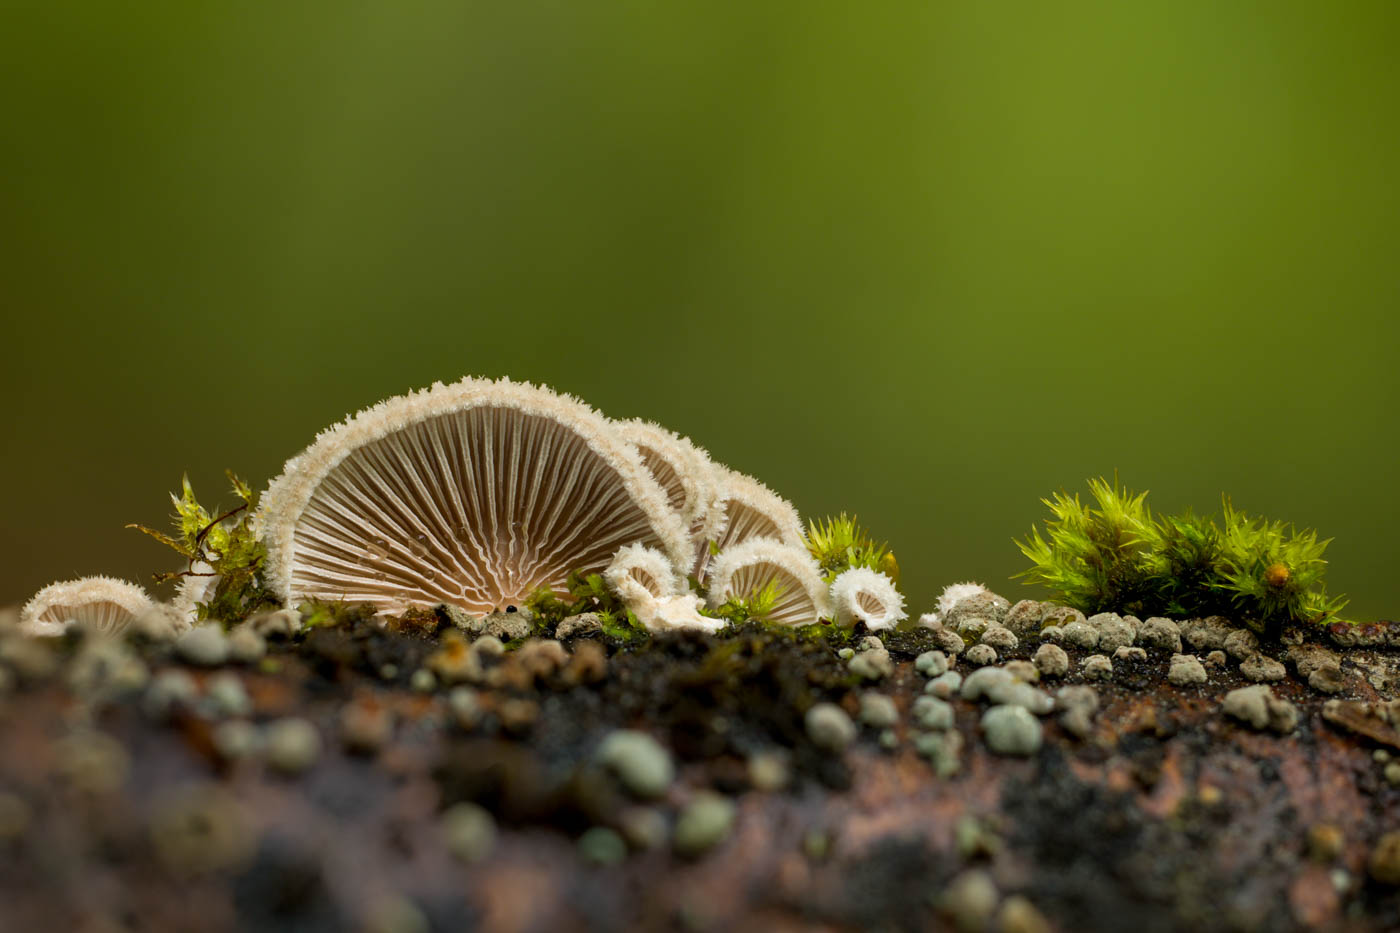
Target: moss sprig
[(839, 544), (757, 605), (226, 543), (1275, 569)]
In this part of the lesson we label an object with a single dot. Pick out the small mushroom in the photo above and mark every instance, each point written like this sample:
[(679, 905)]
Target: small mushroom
[(475, 494), (748, 568), (750, 510), (102, 603), (638, 572), (649, 586), (952, 594), (868, 596)]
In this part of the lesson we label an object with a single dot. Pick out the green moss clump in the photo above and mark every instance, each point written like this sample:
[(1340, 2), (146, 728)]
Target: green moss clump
[(1276, 569), (1187, 555), (756, 606), (225, 542), (1095, 557), (840, 544), (1112, 555), (587, 593)]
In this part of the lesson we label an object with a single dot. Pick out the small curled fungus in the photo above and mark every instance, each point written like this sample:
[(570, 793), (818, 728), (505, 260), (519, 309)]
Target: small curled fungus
[(102, 603), (745, 570), (638, 572), (862, 594)]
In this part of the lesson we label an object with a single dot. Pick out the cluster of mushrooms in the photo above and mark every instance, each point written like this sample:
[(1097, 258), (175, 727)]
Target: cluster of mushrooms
[(480, 493)]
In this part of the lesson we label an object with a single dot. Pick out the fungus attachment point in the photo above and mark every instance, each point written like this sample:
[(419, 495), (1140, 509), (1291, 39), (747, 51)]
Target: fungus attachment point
[(476, 494), (676, 613), (651, 589), (1277, 576), (102, 603), (788, 574), (868, 596)]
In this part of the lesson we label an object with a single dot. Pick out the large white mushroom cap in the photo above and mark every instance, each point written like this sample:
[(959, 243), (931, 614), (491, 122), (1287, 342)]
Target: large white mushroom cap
[(105, 604), (869, 596), (475, 494), (746, 569)]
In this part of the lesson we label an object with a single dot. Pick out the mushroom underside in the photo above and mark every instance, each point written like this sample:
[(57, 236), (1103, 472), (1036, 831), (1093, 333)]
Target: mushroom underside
[(478, 508)]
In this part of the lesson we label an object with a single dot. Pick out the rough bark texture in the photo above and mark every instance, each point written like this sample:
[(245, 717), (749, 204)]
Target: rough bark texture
[(1167, 816)]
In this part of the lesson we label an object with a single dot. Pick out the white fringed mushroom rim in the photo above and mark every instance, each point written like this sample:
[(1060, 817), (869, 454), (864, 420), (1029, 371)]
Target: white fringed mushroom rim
[(102, 603), (197, 588), (683, 470), (745, 569), (639, 571), (952, 594), (749, 510), (869, 596), (474, 494)]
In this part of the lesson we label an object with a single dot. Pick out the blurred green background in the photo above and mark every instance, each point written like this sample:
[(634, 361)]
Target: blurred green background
[(925, 262)]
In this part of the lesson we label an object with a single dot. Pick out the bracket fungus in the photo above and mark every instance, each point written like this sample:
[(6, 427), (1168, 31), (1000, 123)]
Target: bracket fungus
[(647, 583), (684, 471), (745, 570), (105, 604), (475, 494), (637, 572), (750, 510), (868, 596)]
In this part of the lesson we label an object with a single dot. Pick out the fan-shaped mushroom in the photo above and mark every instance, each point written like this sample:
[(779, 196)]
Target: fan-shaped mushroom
[(750, 510), (102, 603), (638, 571), (647, 583), (684, 471), (869, 596), (475, 494), (747, 569)]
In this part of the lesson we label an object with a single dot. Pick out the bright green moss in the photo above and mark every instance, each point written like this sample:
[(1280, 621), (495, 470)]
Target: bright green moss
[(757, 605), (1094, 557), (587, 593), (226, 542), (1113, 555), (839, 544)]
